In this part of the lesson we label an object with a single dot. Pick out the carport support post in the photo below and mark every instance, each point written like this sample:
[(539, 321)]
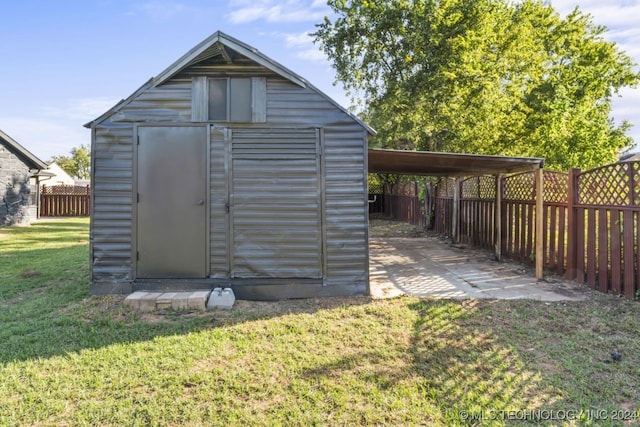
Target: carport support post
[(498, 217), (455, 212), (539, 223)]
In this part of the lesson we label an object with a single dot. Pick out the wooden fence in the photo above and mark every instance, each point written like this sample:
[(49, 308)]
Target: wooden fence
[(443, 206), (591, 221), (604, 205), (65, 200), (400, 202)]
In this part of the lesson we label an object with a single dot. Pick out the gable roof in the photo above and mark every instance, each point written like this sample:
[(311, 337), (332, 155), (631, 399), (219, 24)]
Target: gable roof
[(217, 45), (30, 159), (59, 173)]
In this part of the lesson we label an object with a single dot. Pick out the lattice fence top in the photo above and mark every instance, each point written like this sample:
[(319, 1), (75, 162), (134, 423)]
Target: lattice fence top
[(617, 184), (520, 187), (479, 187), (375, 188), (64, 190), (556, 187), (445, 187)]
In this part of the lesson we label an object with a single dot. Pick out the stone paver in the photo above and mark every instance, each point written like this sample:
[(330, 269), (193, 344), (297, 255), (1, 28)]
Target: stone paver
[(144, 301), (198, 300), (180, 301), (427, 267)]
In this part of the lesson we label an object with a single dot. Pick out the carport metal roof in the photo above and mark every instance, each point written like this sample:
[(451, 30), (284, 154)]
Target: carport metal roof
[(447, 164)]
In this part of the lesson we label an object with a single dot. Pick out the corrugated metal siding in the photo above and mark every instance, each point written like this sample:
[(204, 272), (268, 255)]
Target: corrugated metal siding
[(259, 235), (275, 204), (112, 221), (219, 220), (112, 192), (344, 150), (170, 102), (345, 204)]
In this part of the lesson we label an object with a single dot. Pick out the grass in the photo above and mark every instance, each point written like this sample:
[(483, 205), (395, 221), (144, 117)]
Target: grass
[(67, 358)]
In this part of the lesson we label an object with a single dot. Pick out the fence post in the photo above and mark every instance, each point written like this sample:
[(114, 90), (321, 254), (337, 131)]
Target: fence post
[(87, 207), (540, 229), (572, 190)]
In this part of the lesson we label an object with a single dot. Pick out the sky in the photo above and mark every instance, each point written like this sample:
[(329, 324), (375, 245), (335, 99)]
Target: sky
[(65, 62)]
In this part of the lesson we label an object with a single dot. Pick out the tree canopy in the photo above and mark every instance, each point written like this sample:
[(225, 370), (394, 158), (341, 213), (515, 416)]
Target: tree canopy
[(482, 76), (78, 165)]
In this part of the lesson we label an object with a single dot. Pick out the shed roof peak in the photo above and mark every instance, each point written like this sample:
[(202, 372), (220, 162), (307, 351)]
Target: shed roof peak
[(210, 47), (215, 45)]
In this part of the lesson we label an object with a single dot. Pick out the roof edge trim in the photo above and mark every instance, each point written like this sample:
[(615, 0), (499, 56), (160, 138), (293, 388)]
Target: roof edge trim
[(35, 161)]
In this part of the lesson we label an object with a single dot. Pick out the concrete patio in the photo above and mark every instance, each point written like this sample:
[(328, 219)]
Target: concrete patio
[(429, 267)]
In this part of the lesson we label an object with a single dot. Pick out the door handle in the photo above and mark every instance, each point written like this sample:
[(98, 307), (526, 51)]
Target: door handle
[(200, 202)]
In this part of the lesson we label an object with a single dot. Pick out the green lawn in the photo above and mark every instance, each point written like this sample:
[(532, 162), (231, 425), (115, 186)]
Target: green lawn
[(67, 358)]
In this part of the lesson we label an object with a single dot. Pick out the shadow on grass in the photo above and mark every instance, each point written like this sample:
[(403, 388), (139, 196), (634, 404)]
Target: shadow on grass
[(58, 231), (460, 370), (46, 309), (60, 317), (468, 368)]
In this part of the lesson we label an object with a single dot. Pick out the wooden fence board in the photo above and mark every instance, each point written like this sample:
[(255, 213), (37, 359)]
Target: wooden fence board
[(553, 230), (628, 228), (602, 250), (637, 235), (561, 251), (591, 247), (530, 229), (616, 251)]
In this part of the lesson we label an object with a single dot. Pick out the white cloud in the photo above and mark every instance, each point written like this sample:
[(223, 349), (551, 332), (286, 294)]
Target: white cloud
[(300, 46), (625, 107), (83, 110), (51, 131), (621, 19), (313, 55), (244, 11), (44, 136), (300, 39)]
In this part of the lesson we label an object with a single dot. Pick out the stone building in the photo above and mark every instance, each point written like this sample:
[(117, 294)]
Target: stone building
[(18, 197)]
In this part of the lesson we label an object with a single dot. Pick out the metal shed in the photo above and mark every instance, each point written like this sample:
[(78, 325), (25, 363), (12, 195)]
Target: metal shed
[(228, 169)]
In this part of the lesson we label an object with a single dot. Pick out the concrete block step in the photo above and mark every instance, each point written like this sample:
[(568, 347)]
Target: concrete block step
[(145, 301)]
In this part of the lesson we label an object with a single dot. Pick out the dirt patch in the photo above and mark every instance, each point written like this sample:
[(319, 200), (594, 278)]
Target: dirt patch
[(387, 228), (29, 273), (112, 305)]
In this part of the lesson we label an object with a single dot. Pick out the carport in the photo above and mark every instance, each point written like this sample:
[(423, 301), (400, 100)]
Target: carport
[(424, 163)]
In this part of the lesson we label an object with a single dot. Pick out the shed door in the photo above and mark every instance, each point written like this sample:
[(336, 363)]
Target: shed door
[(172, 202), (276, 204)]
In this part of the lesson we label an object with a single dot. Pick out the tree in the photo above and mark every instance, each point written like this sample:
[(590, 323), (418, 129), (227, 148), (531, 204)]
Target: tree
[(78, 165), (482, 76)]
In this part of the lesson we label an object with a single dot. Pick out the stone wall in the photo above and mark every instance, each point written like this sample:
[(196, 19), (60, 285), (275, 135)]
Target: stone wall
[(14, 189)]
